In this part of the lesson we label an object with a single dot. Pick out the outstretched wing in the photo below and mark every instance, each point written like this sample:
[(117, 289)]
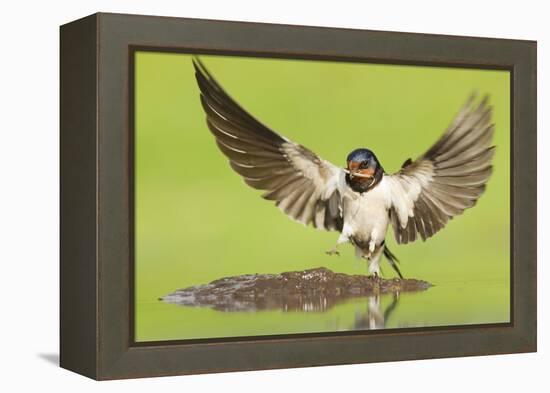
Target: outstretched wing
[(304, 186), (447, 179)]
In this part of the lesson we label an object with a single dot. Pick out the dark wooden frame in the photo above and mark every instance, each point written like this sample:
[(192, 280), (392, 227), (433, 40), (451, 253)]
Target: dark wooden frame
[(97, 198)]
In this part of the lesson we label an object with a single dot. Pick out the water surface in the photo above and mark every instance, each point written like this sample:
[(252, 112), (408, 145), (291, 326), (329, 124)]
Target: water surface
[(442, 305)]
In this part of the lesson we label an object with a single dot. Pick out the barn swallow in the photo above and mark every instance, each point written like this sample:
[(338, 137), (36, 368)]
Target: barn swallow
[(361, 200)]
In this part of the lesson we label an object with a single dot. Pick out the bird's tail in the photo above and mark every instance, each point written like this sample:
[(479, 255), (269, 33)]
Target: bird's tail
[(392, 259)]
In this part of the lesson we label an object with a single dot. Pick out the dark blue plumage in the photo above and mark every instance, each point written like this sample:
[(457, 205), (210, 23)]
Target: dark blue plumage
[(364, 156)]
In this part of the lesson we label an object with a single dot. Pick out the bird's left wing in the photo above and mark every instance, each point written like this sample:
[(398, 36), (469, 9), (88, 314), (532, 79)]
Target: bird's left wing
[(304, 186), (449, 178)]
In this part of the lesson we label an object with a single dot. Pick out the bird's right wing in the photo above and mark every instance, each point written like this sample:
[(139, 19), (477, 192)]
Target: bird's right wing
[(447, 179), (304, 186)]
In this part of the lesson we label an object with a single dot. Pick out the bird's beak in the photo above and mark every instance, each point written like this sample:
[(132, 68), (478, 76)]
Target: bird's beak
[(354, 171), (353, 168)]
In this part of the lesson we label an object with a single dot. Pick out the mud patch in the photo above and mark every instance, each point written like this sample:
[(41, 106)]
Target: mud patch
[(308, 290)]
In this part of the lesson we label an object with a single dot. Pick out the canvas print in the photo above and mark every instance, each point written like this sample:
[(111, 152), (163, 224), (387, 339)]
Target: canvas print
[(286, 196)]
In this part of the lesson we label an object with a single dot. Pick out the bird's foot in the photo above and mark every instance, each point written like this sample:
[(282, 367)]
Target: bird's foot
[(333, 251)]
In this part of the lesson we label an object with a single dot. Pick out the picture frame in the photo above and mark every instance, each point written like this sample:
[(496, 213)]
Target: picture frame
[(96, 196)]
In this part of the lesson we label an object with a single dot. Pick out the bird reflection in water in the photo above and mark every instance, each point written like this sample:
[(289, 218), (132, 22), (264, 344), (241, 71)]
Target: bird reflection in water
[(373, 316)]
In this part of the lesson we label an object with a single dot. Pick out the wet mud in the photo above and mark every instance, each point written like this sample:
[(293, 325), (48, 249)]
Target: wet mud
[(309, 290)]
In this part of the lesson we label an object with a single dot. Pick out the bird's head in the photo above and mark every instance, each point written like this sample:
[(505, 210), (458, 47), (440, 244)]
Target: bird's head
[(364, 169)]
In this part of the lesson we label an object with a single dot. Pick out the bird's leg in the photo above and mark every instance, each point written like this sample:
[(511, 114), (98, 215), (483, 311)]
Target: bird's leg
[(372, 246), (341, 240), (369, 253), (374, 263)]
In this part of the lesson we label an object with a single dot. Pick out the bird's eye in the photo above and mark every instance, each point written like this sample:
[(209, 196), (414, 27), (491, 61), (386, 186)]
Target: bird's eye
[(364, 165)]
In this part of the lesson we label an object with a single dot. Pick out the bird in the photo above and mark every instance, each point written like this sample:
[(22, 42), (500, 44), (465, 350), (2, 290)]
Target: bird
[(360, 201)]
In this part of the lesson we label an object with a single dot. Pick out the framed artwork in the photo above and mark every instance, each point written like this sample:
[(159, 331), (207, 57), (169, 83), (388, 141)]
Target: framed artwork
[(239, 196)]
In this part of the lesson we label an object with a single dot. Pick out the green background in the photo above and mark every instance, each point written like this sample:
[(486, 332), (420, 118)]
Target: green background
[(197, 221)]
